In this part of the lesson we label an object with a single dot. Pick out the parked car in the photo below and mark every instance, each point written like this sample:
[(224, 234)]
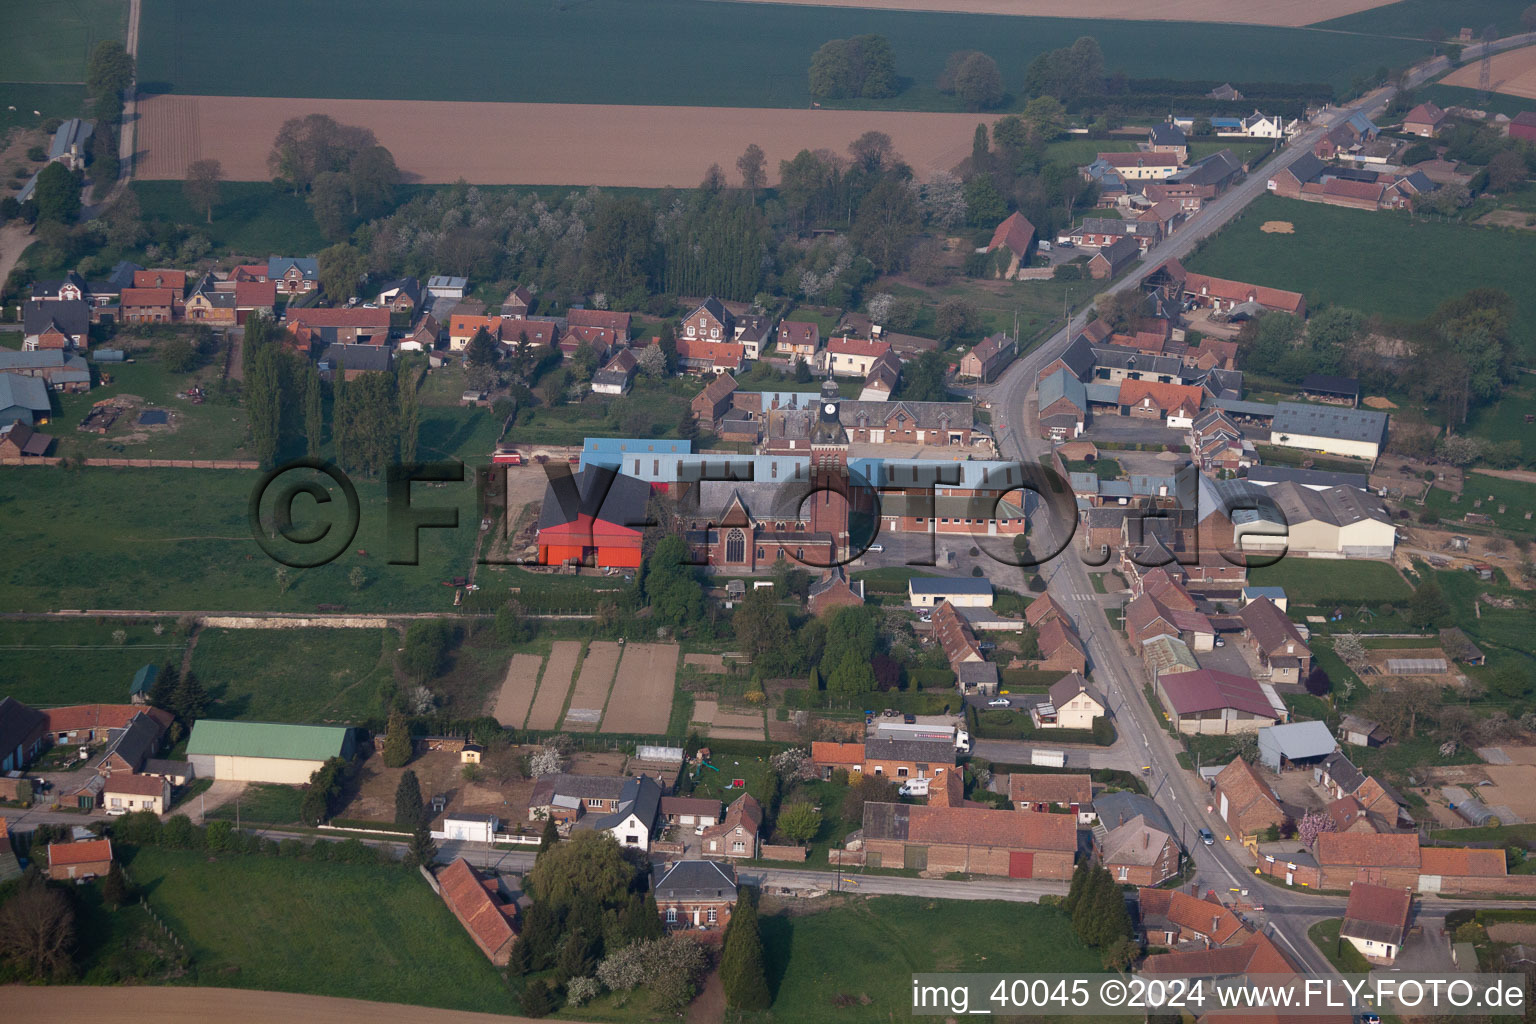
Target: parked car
[(1207, 837), (909, 719), (878, 549), (1220, 642), (986, 645), (999, 702)]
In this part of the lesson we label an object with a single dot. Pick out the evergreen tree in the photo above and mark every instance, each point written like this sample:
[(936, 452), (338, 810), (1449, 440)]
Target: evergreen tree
[(191, 699), (1087, 900), (114, 889), (550, 837), (541, 930), (314, 417), (578, 955), (408, 807), (397, 741), (341, 397), (264, 404), (163, 693), (423, 850), (741, 962), (1075, 890), (519, 964), (536, 1000)]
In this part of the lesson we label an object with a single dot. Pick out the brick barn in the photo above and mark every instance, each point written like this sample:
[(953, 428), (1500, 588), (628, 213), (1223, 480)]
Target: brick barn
[(1011, 844)]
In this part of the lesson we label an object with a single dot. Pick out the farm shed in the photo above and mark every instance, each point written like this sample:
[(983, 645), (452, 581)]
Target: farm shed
[(264, 751)]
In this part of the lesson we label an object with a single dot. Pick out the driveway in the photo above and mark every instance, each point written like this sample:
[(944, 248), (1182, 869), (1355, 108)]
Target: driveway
[(1428, 951)]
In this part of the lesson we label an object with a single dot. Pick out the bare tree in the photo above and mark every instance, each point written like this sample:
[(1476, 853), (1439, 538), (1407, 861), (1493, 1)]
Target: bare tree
[(37, 930), (202, 185)]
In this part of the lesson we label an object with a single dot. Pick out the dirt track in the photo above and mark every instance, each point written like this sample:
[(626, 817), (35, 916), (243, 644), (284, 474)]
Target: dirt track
[(642, 694), (564, 655), (1246, 12), (538, 143), (1513, 73), (171, 1005)]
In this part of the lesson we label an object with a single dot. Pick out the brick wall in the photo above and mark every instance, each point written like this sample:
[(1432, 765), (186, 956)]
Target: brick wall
[(1508, 885), (1342, 877), (794, 853)]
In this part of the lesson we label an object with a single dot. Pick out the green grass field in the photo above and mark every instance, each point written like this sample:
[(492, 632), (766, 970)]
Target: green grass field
[(1494, 102), (252, 217), (1504, 420), (50, 39), (214, 430), (1514, 496), (881, 942), (360, 932), (614, 52), (263, 803), (1416, 18), (1315, 581), (53, 663), (180, 539), (48, 100), (1336, 257), (294, 675)]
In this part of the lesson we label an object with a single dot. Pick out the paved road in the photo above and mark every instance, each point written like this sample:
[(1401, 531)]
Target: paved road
[(1179, 793)]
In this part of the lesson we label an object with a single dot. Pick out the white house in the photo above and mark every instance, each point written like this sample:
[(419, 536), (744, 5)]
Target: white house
[(635, 819), (960, 591), (125, 792), (470, 828), (1376, 920), (851, 357), (1264, 126), (447, 287), (1070, 704)]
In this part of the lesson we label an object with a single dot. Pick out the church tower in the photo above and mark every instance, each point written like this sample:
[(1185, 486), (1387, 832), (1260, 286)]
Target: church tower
[(830, 497)]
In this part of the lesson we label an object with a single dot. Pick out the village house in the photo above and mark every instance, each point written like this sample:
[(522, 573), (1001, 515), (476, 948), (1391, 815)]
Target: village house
[(1098, 232), (1247, 803), (294, 276), (23, 734), (55, 324), (938, 839), (18, 441), (1140, 852), (1424, 120), (1390, 859), (834, 590), (1209, 702), (1070, 703), (1142, 165), (462, 328), (830, 757), (1062, 403), (80, 860), (688, 812), (1040, 793), (696, 355), (1015, 235), (883, 377), (601, 340), (737, 833), (1522, 126), (851, 357), (1280, 647), (696, 895), (902, 759), (1167, 137), (711, 404), (959, 591), (617, 376), (400, 296), (482, 908), (987, 357), (126, 792), (634, 819), (355, 360), (1175, 919), (315, 327), (799, 340), (1110, 260), (1376, 921), (536, 334)]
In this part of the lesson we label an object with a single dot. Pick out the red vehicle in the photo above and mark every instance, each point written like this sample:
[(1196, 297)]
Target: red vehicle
[(507, 457)]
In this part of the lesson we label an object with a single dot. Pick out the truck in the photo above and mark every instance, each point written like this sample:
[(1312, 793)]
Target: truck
[(917, 731), (1048, 758)]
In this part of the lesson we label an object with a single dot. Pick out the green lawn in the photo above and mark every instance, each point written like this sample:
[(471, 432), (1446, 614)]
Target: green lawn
[(48, 100), (1515, 496), (1316, 581), (1343, 956), (49, 39), (252, 217), (53, 663), (188, 47), (717, 784), (1105, 469), (180, 539), (881, 942), (295, 675), (1335, 258), (263, 803), (355, 931)]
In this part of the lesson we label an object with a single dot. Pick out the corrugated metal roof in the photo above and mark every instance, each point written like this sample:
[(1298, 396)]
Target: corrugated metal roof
[(268, 739)]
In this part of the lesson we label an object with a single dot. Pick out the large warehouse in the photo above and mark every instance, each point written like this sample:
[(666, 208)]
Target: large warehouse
[(265, 751)]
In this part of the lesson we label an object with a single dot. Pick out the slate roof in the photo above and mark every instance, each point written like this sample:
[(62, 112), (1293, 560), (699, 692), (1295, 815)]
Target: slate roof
[(18, 723), (1271, 628), (949, 585), (1305, 477), (29, 441), (1115, 809), (640, 796), (1330, 421), (1343, 771), (1059, 385), (1166, 133), (135, 743), (693, 880), (356, 357), (1069, 686), (927, 751), (1306, 167), (70, 316), (1217, 169), (277, 266), (599, 492), (583, 787)]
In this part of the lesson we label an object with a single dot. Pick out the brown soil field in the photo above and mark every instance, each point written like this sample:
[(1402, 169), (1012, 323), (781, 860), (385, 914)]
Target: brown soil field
[(178, 1005), (1246, 12), (1278, 227), (592, 686), (558, 670), (517, 690), (1377, 402), (713, 664), (1514, 786), (1513, 73), (642, 693), (578, 144)]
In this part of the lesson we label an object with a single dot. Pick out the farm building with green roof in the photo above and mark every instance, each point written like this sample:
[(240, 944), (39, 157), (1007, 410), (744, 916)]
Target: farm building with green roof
[(265, 751)]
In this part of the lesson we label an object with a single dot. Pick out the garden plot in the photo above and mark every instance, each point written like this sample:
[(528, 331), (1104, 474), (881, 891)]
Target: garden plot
[(517, 690), (564, 656), (642, 694), (591, 693)]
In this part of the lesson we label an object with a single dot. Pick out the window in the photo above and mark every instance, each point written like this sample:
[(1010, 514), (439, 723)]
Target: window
[(594, 801), (1123, 872), (901, 772), (738, 846), (735, 546), (671, 915), (711, 916), (117, 802)]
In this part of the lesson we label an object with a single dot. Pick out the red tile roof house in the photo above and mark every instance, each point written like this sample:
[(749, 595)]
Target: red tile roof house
[(1063, 791), (1060, 648), (941, 840), (714, 401), (737, 833), (1256, 954), (355, 326), (1523, 126), (618, 323), (148, 305), (696, 356), (84, 724), (1171, 917), (852, 357), (1424, 120), (1175, 404), (1376, 921), (1247, 803), (1344, 858), (88, 858), (832, 757), (1015, 234), (1279, 643), (1209, 702), (481, 908), (689, 811), (125, 792), (1221, 294)]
